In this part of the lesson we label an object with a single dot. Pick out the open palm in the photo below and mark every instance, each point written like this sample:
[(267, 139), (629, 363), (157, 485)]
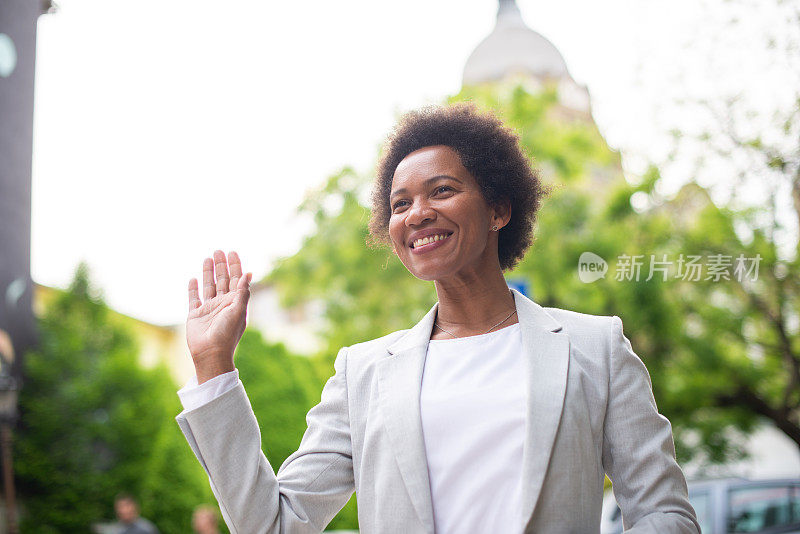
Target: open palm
[(215, 325)]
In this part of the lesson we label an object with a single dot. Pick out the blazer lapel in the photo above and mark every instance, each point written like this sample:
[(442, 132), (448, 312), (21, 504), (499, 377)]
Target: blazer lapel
[(399, 386), (546, 367)]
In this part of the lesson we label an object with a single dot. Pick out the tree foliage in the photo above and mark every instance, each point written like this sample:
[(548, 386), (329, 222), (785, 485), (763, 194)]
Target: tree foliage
[(94, 423), (745, 142)]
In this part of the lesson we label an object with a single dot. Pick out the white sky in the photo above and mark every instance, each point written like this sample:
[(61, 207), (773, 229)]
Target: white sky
[(165, 129)]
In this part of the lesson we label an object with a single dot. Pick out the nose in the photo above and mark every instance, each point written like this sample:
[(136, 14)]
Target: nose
[(420, 212)]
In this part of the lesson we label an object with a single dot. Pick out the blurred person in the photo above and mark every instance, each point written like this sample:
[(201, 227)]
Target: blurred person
[(204, 520), (128, 519), (492, 414)]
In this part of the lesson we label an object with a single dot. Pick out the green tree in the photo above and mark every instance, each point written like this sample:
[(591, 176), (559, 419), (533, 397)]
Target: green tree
[(94, 423), (738, 344)]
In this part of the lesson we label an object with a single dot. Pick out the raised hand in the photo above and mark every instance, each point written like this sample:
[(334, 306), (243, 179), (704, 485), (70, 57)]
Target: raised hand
[(215, 325)]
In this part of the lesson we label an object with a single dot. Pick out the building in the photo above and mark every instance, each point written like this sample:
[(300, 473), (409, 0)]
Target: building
[(514, 54)]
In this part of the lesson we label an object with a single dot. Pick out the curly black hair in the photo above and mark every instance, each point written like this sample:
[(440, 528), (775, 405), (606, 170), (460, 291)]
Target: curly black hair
[(488, 149)]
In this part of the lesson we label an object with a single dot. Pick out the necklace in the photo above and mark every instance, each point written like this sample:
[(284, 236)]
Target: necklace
[(436, 324)]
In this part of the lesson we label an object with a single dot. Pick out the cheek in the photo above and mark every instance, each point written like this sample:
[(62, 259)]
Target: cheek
[(476, 235), (395, 232), (393, 240)]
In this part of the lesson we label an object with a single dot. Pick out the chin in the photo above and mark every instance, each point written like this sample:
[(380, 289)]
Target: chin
[(425, 277), (429, 273)]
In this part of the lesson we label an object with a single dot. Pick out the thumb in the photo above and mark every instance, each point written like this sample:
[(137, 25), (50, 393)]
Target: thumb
[(244, 281)]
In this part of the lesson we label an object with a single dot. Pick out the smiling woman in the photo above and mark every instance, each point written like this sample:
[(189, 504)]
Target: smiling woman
[(492, 414)]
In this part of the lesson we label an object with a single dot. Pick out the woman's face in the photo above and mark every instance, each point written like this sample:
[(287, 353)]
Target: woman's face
[(440, 224)]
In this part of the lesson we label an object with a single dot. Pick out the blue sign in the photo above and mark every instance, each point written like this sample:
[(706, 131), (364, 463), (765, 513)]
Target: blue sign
[(520, 284)]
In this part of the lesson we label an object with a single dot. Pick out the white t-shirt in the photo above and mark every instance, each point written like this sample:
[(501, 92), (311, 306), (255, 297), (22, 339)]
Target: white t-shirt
[(473, 420), (472, 406)]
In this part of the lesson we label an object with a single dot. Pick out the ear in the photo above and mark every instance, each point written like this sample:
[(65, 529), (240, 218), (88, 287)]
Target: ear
[(501, 214)]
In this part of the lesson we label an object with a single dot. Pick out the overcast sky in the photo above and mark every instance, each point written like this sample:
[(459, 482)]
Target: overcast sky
[(165, 129)]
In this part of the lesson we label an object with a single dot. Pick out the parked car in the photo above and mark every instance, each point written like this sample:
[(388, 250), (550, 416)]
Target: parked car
[(732, 506)]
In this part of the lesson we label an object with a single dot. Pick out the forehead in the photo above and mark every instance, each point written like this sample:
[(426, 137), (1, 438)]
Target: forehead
[(427, 162)]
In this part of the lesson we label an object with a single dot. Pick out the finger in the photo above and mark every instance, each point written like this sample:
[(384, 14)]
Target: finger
[(209, 289), (221, 270), (235, 266), (194, 295), (243, 295)]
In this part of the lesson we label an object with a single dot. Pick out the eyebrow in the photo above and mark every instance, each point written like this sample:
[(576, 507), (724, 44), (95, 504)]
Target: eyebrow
[(426, 182)]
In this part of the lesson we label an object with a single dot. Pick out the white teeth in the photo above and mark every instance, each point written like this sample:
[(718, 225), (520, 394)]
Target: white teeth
[(430, 239)]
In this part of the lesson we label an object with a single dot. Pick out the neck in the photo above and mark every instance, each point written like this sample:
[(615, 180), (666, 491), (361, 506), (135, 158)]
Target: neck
[(471, 305)]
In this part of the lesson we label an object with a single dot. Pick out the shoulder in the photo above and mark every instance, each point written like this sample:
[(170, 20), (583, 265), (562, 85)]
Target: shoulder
[(145, 527), (600, 338), (595, 337)]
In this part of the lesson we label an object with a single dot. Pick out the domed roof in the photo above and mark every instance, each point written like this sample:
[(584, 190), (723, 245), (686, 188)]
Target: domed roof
[(513, 48)]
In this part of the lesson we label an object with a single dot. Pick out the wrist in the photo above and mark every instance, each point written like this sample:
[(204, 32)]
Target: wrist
[(207, 367), (207, 373)]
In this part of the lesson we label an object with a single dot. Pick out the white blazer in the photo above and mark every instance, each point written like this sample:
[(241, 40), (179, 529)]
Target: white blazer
[(590, 412)]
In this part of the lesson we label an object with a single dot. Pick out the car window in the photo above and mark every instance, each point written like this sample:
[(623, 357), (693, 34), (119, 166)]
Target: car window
[(761, 508), (701, 502)]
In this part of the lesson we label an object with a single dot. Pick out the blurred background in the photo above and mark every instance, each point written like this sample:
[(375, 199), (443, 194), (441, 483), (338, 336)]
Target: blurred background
[(136, 138)]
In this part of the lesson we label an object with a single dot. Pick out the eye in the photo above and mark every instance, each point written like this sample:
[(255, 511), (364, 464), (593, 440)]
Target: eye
[(443, 189), (399, 204)]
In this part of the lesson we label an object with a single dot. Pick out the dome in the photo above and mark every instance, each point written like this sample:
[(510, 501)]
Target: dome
[(513, 48)]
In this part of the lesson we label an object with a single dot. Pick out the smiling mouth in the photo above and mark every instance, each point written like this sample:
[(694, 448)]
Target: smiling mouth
[(429, 239)]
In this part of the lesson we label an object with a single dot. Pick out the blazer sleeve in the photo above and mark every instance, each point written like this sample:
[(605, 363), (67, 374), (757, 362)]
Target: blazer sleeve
[(638, 450), (311, 486)]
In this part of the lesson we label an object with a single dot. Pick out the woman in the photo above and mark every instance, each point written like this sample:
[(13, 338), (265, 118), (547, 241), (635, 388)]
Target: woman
[(492, 414)]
